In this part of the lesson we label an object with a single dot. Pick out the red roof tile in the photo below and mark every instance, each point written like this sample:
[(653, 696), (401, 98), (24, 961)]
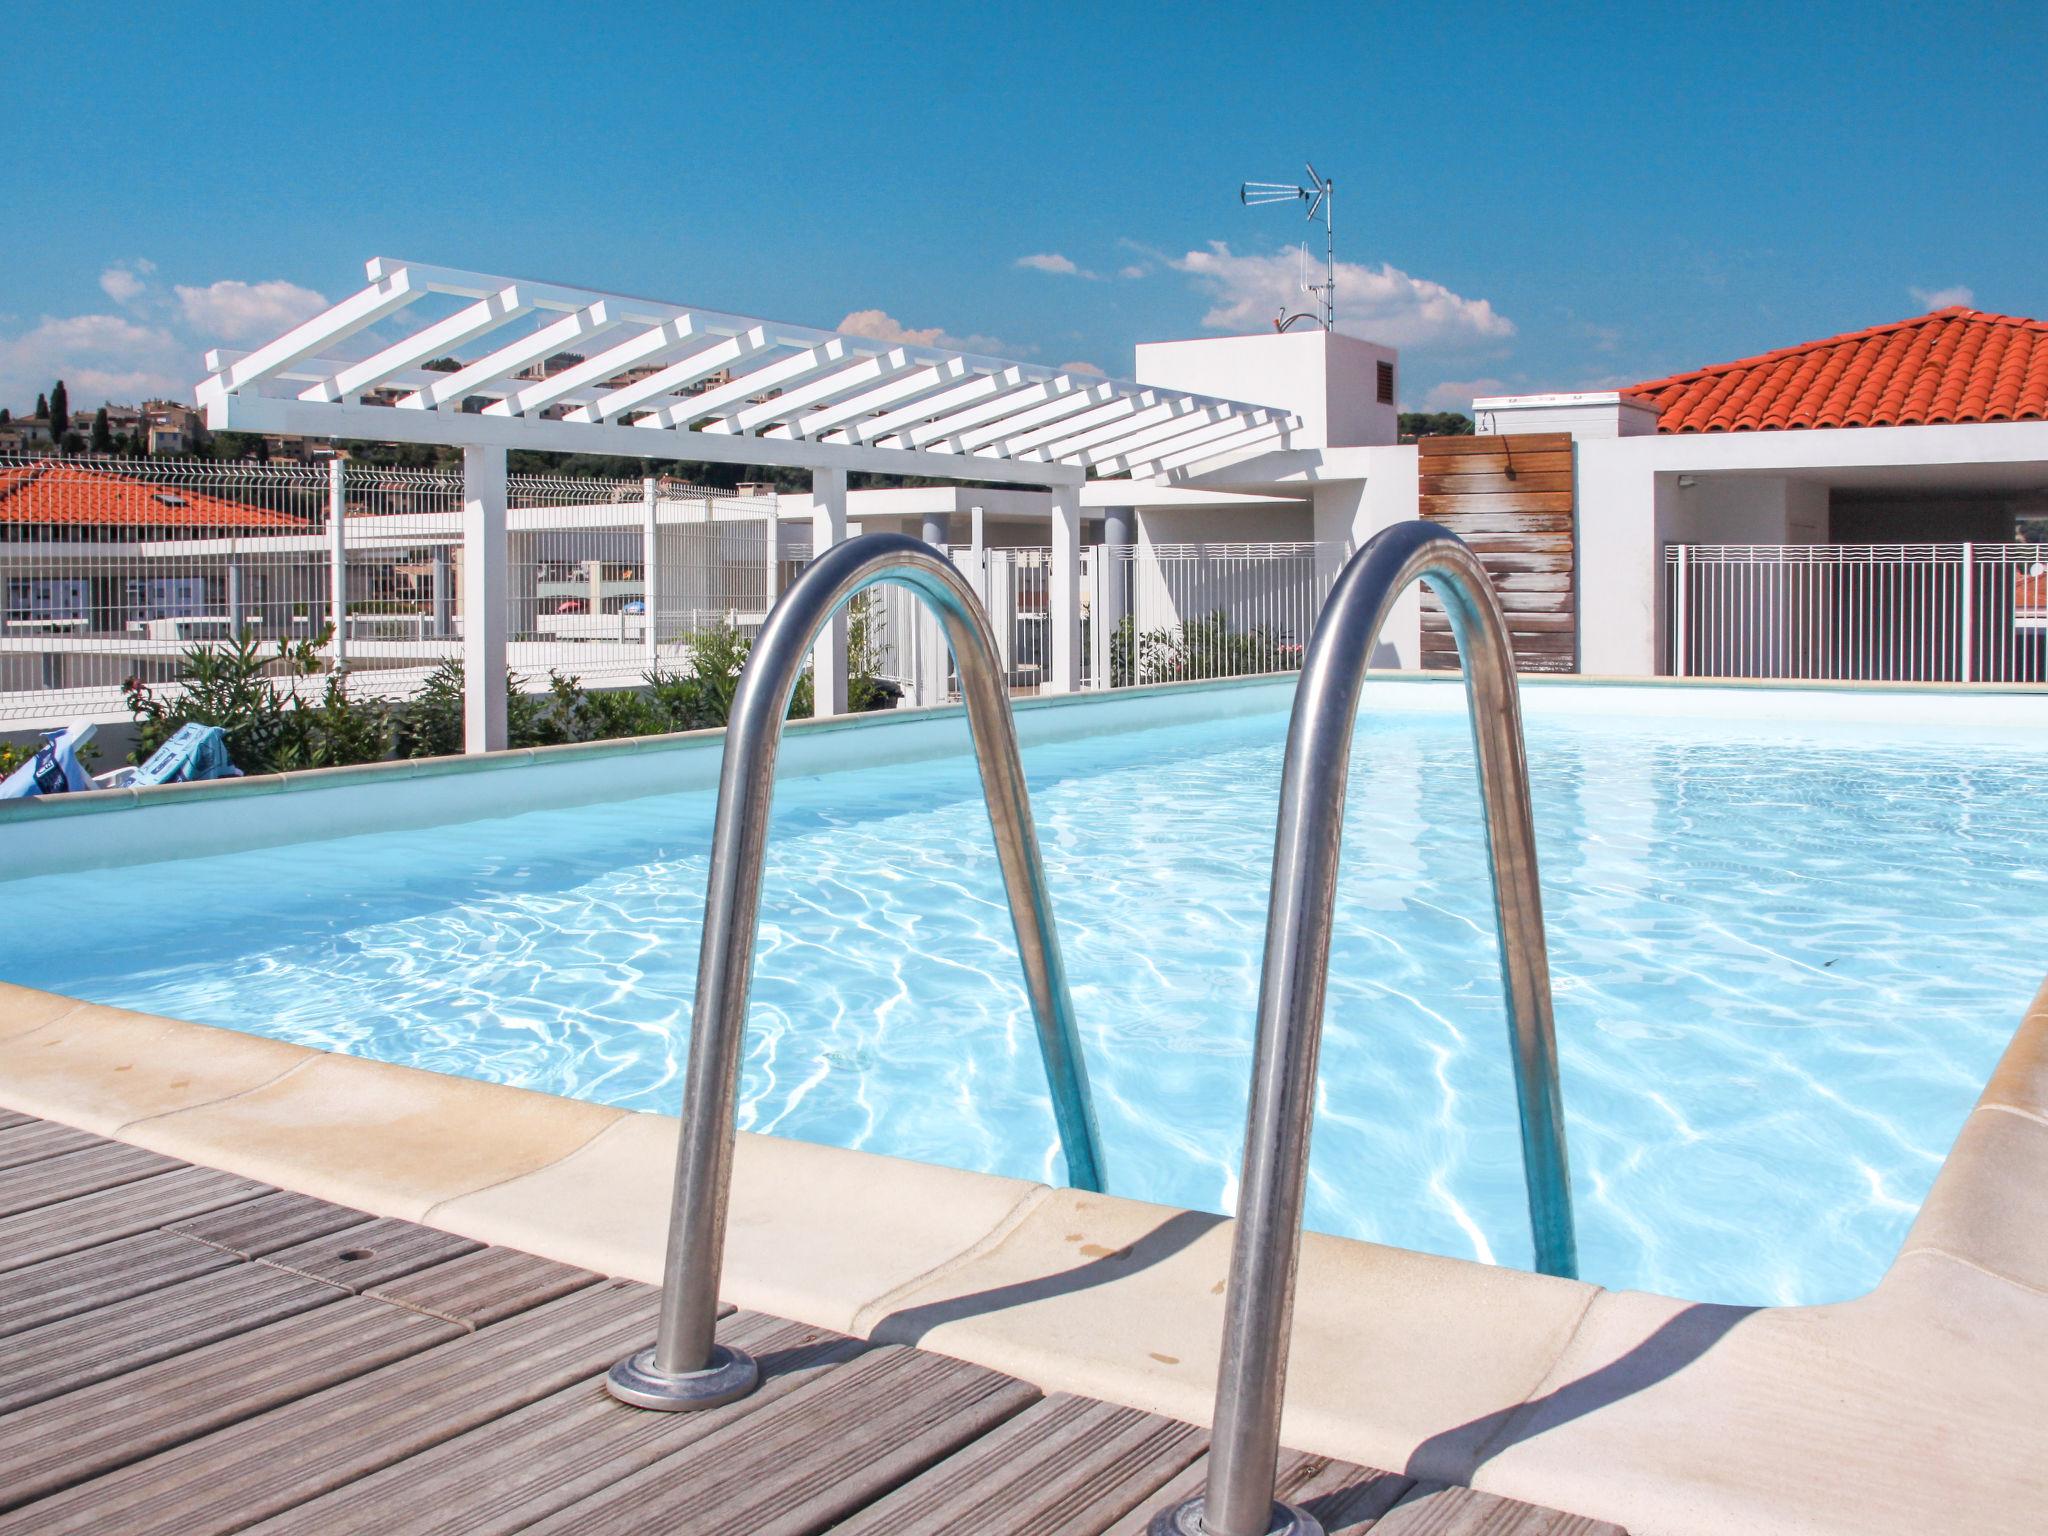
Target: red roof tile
[(1955, 364), (75, 494)]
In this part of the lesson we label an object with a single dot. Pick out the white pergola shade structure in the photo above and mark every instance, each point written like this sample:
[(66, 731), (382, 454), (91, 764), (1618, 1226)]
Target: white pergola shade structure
[(555, 369), (722, 388)]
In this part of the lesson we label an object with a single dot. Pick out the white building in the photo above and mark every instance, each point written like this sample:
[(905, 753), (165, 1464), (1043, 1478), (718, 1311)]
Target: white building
[(1925, 432)]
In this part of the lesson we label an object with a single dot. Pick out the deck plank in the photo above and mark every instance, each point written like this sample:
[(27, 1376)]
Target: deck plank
[(110, 1341), (1347, 1499), (1440, 1509), (189, 1352), (820, 1454), (35, 1140), (555, 1452), (89, 1434), (484, 1287), (1065, 1466), (261, 1227), (264, 1465), (80, 1282), (52, 1180), (370, 1254), (86, 1222)]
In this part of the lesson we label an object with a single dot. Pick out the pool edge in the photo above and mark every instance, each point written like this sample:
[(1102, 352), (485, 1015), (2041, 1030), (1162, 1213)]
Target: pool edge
[(1664, 1415)]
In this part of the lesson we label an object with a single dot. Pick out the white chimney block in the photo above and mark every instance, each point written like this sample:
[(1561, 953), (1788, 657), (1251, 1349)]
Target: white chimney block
[(1333, 382)]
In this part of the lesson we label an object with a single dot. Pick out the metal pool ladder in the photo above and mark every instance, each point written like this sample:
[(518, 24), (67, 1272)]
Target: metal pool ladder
[(687, 1368), (1259, 1303)]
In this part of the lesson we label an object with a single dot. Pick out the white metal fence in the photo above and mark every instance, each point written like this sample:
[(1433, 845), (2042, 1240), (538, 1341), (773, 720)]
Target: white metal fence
[(1875, 612), (112, 570), (1148, 614)]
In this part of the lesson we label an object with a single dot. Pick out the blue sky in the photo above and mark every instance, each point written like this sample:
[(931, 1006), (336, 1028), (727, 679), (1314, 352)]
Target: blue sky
[(1527, 198)]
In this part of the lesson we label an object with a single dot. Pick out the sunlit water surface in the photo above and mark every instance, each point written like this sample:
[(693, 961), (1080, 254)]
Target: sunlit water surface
[(1785, 960)]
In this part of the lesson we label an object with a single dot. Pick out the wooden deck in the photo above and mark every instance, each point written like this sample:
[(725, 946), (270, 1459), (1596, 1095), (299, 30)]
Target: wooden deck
[(184, 1351)]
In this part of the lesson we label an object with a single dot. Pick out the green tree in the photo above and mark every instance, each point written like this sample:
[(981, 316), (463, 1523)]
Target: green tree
[(5, 415), (1414, 424), (42, 405), (60, 411), (102, 434)]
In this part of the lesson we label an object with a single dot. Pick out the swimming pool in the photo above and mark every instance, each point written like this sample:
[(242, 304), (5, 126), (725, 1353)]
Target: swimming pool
[(1786, 955)]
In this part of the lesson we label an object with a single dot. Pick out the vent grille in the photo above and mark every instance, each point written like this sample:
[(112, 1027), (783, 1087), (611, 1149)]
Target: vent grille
[(1386, 383)]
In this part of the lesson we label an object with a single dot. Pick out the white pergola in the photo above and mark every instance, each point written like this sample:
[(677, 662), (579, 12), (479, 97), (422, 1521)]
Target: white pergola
[(673, 381)]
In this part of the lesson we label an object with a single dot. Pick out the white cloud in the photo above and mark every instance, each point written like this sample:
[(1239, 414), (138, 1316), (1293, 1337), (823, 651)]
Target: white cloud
[(1458, 394), (880, 325), (236, 311), (124, 283), (1941, 298), (99, 357), (1083, 368), (1055, 263), (1135, 269), (1383, 303)]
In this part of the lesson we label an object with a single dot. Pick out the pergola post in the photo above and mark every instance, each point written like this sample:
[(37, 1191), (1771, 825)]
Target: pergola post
[(828, 660), (486, 552), (1063, 602)]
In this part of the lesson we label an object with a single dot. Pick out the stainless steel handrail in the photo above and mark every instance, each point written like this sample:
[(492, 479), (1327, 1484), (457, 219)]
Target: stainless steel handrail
[(687, 1368), (1259, 1304)]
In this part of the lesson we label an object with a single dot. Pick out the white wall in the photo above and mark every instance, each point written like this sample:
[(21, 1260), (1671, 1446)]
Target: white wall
[(1249, 523), (1606, 414), (1350, 512)]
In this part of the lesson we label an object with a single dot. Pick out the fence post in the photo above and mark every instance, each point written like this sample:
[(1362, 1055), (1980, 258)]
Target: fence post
[(1063, 600), (486, 554), (650, 564), (1968, 609), (977, 554), (337, 560), (828, 659), (1681, 627)]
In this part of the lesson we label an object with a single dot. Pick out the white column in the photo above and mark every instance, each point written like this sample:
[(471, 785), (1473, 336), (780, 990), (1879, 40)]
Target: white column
[(828, 527), (938, 529), (486, 552), (337, 562), (1119, 545), (650, 563), (1063, 600)]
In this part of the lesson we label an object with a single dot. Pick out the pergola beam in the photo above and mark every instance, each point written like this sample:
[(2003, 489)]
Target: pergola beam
[(294, 418), (809, 398)]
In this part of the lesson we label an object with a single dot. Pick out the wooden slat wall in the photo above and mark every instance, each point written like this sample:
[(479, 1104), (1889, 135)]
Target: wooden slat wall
[(1510, 498)]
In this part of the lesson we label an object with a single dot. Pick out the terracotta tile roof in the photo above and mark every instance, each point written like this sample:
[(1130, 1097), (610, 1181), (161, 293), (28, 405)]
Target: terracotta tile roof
[(54, 492), (1955, 364)]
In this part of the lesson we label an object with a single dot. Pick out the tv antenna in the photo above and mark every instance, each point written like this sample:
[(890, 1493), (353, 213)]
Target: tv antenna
[(1318, 194)]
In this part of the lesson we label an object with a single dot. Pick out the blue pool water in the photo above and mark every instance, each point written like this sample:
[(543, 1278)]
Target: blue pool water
[(1785, 959)]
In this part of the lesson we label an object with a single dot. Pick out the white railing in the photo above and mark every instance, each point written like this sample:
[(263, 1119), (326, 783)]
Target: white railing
[(1866, 612), (111, 570)]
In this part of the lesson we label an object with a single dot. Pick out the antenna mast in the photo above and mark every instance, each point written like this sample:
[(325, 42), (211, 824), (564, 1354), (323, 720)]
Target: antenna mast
[(1319, 194)]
